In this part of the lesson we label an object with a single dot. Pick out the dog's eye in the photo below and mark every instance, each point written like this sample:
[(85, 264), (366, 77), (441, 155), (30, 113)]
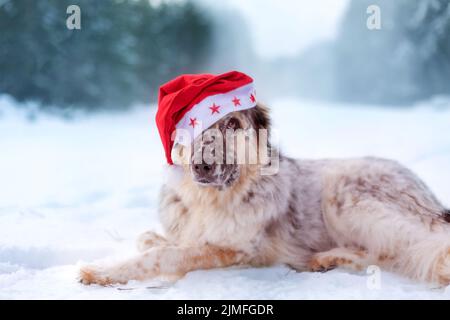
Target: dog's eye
[(233, 124)]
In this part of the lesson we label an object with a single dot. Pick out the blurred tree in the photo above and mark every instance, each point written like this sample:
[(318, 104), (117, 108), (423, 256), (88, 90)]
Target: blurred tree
[(407, 60), (428, 34), (124, 50)]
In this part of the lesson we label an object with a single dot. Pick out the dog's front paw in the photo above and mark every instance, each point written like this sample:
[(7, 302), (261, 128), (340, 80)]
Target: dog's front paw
[(97, 275)]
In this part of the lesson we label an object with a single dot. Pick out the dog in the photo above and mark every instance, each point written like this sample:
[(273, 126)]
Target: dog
[(313, 215)]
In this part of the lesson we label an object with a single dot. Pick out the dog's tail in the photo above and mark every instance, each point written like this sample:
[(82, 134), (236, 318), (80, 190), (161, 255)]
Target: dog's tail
[(428, 259)]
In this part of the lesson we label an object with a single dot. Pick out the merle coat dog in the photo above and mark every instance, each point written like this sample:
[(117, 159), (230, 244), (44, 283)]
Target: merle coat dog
[(313, 215)]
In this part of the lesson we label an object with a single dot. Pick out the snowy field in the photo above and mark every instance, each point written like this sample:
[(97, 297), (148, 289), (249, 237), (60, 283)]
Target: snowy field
[(77, 191)]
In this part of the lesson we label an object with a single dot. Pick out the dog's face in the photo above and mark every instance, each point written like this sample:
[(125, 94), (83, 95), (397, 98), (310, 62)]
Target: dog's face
[(214, 157)]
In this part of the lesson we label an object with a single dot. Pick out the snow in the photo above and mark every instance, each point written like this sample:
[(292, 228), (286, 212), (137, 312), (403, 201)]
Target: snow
[(82, 190)]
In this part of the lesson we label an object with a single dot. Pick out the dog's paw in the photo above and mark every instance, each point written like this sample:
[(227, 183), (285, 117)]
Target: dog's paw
[(149, 240), (97, 275), (322, 262), (321, 265)]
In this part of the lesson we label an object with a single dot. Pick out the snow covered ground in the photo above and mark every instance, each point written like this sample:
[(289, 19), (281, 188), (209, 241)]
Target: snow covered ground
[(77, 191)]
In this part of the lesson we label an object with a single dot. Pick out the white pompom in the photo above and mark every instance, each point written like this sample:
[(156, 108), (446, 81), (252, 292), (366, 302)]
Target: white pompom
[(173, 174)]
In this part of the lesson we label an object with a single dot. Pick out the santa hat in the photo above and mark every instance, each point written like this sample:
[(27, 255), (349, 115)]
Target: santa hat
[(194, 101)]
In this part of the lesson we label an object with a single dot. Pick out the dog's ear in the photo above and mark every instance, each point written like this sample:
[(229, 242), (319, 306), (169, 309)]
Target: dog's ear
[(260, 117)]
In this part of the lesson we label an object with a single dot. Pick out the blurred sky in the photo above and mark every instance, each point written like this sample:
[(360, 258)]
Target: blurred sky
[(286, 27)]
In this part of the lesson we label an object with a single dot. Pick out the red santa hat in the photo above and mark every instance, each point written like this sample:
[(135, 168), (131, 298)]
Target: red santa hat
[(194, 102)]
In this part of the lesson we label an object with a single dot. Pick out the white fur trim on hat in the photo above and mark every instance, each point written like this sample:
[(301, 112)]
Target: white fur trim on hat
[(211, 109)]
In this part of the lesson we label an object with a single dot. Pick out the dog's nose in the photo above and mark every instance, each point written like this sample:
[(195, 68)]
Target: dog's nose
[(203, 168)]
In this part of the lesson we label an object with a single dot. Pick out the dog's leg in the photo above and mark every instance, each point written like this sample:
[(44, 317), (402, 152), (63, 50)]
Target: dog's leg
[(337, 257), (168, 261), (149, 240)]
